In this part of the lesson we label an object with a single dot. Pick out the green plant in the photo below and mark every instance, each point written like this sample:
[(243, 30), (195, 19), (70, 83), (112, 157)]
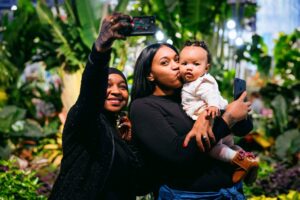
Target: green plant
[(283, 101), (286, 57), (21, 42), (256, 52), (288, 144), (292, 195), (14, 128), (279, 181), (70, 48), (282, 94), (265, 169), (17, 184), (20, 36), (183, 20), (225, 80)]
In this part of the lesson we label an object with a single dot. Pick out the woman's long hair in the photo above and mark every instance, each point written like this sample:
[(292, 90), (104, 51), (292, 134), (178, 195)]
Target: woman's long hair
[(141, 86)]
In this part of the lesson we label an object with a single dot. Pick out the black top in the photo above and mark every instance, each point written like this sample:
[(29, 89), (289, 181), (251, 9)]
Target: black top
[(159, 128), (96, 163)]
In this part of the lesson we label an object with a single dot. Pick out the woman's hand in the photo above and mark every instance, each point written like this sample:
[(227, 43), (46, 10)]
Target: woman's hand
[(202, 130), (110, 28), (125, 128), (237, 110)]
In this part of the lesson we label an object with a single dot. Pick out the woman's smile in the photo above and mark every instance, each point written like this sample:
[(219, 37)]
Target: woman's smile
[(115, 100)]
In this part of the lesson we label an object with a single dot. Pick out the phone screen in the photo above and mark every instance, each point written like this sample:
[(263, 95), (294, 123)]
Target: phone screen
[(239, 86), (143, 25)]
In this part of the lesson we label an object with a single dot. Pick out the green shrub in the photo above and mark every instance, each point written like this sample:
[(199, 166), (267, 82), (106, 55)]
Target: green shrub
[(16, 183)]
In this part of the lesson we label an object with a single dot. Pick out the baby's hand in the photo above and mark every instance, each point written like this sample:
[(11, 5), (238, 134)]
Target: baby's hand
[(213, 111)]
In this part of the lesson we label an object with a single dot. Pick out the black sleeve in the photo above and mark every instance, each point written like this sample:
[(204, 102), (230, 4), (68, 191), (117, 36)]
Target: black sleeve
[(220, 128), (83, 116), (243, 127), (158, 137)]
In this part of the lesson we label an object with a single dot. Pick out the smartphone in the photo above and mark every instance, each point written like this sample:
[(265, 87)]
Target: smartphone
[(239, 86), (143, 25)]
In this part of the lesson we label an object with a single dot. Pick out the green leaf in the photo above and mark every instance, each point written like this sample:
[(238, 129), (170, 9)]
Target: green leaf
[(51, 128), (122, 5), (285, 141), (88, 15), (18, 184), (286, 55), (5, 151), (32, 129), (264, 64), (199, 15), (8, 116), (46, 17), (280, 110), (7, 69)]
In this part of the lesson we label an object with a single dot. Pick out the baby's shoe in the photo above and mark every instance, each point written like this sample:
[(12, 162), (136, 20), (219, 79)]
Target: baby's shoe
[(247, 167)]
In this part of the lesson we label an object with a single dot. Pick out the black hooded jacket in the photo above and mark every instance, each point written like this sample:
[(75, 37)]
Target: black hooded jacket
[(96, 163)]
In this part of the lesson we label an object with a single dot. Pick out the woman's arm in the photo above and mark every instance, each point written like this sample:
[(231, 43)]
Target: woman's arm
[(234, 116), (81, 122), (205, 133), (83, 119), (243, 127), (92, 95), (94, 79), (156, 135), (237, 110)]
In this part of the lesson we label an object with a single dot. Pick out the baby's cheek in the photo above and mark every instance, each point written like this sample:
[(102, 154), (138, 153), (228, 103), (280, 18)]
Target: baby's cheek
[(181, 68)]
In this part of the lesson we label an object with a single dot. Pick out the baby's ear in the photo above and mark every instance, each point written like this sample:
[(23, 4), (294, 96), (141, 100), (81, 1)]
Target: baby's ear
[(207, 67)]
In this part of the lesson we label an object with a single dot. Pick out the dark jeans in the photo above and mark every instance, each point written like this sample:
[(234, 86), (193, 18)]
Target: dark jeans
[(233, 193)]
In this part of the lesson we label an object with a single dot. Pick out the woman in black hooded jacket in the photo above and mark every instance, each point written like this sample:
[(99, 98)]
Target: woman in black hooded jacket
[(97, 163)]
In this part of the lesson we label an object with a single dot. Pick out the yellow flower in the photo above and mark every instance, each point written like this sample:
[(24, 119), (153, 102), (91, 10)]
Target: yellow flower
[(3, 95)]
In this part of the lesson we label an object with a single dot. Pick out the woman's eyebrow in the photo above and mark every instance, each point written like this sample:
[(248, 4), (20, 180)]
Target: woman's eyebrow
[(165, 57)]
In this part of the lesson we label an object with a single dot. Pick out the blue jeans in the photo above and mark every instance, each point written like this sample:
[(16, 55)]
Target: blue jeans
[(232, 193)]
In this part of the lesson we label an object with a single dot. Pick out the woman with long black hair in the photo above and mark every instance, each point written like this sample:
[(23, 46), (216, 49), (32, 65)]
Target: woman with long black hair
[(160, 128)]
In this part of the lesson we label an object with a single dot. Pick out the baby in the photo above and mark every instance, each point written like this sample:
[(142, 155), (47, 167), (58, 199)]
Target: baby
[(199, 93)]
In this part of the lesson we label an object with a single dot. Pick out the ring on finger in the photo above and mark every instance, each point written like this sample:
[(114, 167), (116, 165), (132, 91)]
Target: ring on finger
[(204, 137)]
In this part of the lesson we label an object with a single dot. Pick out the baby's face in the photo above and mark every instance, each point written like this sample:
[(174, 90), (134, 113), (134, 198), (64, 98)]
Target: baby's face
[(193, 63)]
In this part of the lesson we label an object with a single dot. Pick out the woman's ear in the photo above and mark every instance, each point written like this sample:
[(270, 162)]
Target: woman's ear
[(150, 77)]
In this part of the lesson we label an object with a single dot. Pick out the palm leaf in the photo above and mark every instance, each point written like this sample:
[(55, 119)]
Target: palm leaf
[(57, 29), (46, 17), (200, 15), (89, 17), (280, 108)]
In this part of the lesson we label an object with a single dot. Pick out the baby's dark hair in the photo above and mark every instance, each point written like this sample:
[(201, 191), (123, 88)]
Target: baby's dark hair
[(201, 44)]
